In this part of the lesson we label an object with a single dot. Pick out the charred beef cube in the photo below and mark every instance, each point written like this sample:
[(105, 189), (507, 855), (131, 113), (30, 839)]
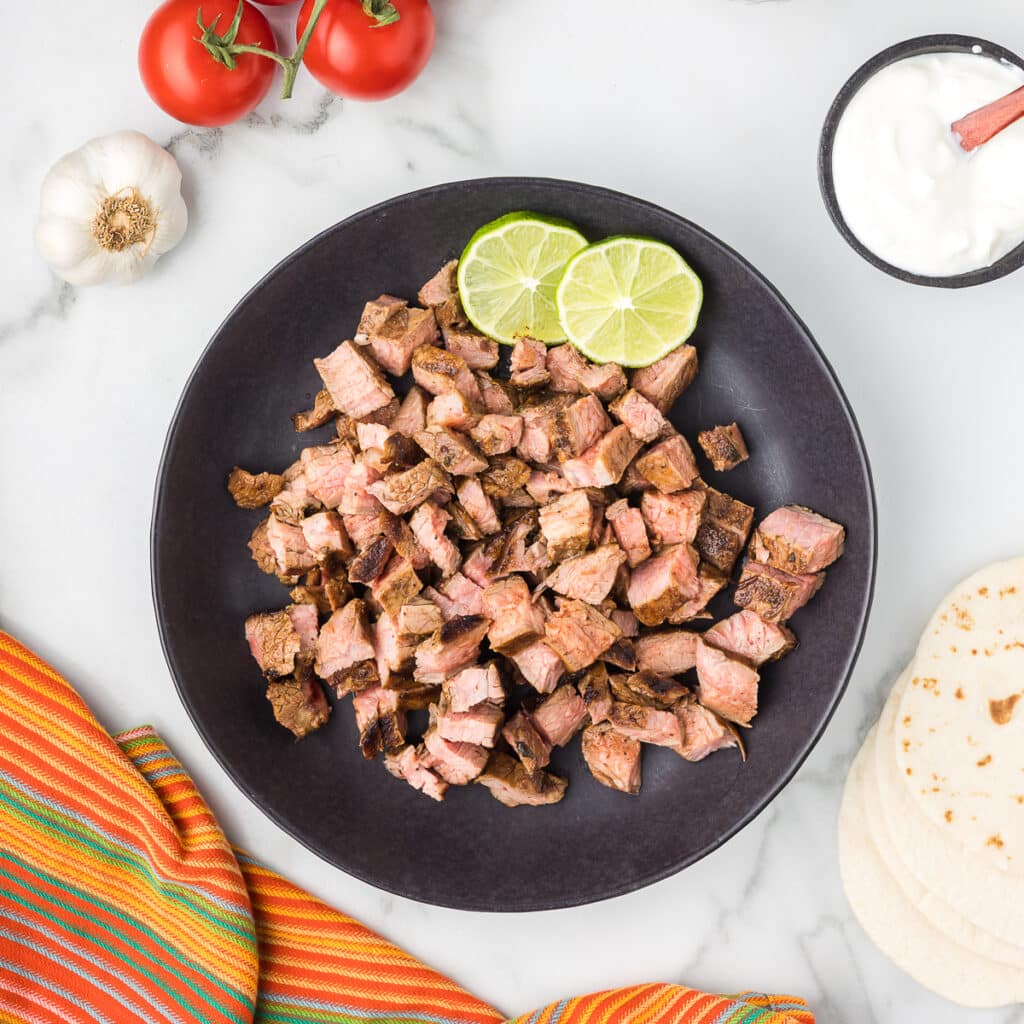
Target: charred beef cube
[(529, 746), (254, 490), (646, 724), (606, 381), (288, 544), (498, 395), (399, 452), (539, 665), (376, 313), (660, 585), (749, 637), (294, 500), (620, 654), (709, 582), (797, 540), (428, 524), (325, 535), (402, 492), (588, 577), (603, 463), (394, 342), (633, 481), (370, 562), (772, 594), (508, 549), (579, 634), (356, 385), (364, 707), (325, 472), (412, 413), (392, 653), (511, 784), (437, 370), (515, 619), (669, 465), (728, 686), (478, 505), (669, 652), (613, 759), (410, 766), (527, 364), (663, 382), (478, 351), (543, 484), (578, 427), (540, 428), (724, 447), (566, 366), (626, 621), (477, 566), (459, 595), (478, 684), (357, 499), (595, 690), (725, 525), (673, 518), (452, 410), (274, 642), (404, 541), (385, 414), (479, 725), (441, 287), (559, 717), (454, 646), (323, 411), (391, 719), (504, 475), (703, 731), (566, 525), (648, 689), (299, 703), (396, 585), (641, 417), (345, 642), (630, 531), (452, 450), (456, 763), (417, 619), (496, 435)]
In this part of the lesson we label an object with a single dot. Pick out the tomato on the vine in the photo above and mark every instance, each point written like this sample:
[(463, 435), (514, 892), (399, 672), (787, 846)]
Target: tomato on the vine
[(185, 80), (359, 54)]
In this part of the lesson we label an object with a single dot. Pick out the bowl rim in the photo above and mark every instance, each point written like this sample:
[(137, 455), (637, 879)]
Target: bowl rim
[(917, 46)]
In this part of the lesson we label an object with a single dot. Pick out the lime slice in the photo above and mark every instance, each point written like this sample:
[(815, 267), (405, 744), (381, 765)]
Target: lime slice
[(628, 301), (508, 274)]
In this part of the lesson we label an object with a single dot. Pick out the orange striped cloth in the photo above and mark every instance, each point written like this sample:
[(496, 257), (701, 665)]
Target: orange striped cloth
[(122, 901)]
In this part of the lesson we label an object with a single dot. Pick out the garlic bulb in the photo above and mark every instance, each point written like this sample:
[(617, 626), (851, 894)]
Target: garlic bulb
[(109, 210)]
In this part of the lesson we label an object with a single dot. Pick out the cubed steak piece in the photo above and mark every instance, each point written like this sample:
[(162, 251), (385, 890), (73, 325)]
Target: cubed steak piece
[(325, 471), (709, 583), (669, 652), (357, 499), (475, 685), (772, 594), (477, 350), (323, 412), (703, 731), (376, 313), (395, 341), (441, 287), (642, 418), (391, 719), (628, 526), (274, 642), (370, 562), (495, 434), (621, 653), (428, 524), (396, 585), (417, 619), (540, 427), (669, 465), (254, 490), (452, 450), (505, 474), (454, 646), (728, 686), (566, 366), (452, 410), (401, 492), (613, 759), (354, 380), (578, 427), (724, 528), (299, 703), (460, 596), (304, 619), (437, 370), (663, 382), (456, 763), (605, 380), (325, 534), (497, 394), (588, 577), (526, 742), (626, 621), (410, 766), (544, 484), (595, 690), (749, 637), (261, 551), (288, 543), (393, 653), (660, 585), (724, 447), (603, 463), (511, 784), (478, 505), (345, 641), (559, 717), (648, 689), (672, 518), (479, 725), (412, 413), (797, 540), (527, 364), (539, 665), (363, 530), (646, 724), (566, 524), (579, 634), (515, 619)]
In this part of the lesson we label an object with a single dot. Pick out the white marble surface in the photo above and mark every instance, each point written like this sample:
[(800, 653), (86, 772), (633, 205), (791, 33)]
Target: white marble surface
[(710, 107)]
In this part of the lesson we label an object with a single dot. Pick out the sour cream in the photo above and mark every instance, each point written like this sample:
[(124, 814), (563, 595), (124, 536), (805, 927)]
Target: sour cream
[(905, 187)]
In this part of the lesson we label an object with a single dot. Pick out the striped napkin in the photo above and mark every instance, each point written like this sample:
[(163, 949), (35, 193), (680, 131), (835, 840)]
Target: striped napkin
[(122, 901)]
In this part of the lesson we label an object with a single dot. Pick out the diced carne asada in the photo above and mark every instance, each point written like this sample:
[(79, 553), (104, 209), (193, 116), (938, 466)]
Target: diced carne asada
[(511, 784), (477, 565), (357, 499), (725, 526), (515, 619), (370, 562), (385, 414), (478, 505), (669, 652), (460, 596), (579, 634), (417, 619), (376, 313), (621, 654), (273, 641), (613, 759), (630, 531), (724, 446), (480, 725), (566, 366), (664, 381), (505, 474), (703, 731), (371, 435), (404, 541), (642, 418), (588, 577), (527, 364), (399, 452), (288, 544), (495, 434), (658, 586), (345, 640), (305, 621), (437, 370), (299, 703), (401, 492), (294, 500), (325, 471), (364, 707), (478, 351), (413, 696), (672, 518), (428, 524), (391, 720), (412, 413), (452, 410), (497, 394), (773, 594), (749, 637), (606, 380), (254, 490), (508, 548), (578, 427), (456, 763), (410, 766), (540, 427), (603, 463), (542, 484), (646, 724), (464, 526), (454, 646), (396, 585), (709, 583), (363, 530), (797, 540), (394, 342), (728, 686), (626, 621), (323, 411), (526, 742), (262, 553), (452, 450), (356, 385), (441, 287), (475, 685), (539, 665), (669, 465), (633, 481), (392, 654), (559, 717), (595, 690), (649, 689)]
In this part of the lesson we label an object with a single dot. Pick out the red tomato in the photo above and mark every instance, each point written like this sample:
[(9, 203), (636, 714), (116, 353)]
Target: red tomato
[(354, 57), (183, 78)]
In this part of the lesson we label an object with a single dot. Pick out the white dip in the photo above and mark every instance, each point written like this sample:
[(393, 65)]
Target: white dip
[(906, 188)]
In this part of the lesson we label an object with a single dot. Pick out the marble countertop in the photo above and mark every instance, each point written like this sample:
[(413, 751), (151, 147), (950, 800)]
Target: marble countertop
[(711, 108)]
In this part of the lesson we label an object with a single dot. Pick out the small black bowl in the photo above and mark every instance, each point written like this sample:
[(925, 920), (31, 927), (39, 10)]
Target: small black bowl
[(909, 48)]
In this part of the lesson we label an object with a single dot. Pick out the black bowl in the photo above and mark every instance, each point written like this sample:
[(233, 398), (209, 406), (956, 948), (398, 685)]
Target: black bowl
[(758, 365), (909, 48)]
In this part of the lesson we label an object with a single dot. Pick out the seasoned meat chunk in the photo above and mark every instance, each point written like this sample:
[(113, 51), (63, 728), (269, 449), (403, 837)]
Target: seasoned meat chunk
[(452, 410), (356, 385), (540, 428), (539, 665), (527, 364), (613, 759), (404, 541), (288, 544), (603, 463), (417, 619), (797, 540), (772, 594), (497, 394), (566, 367), (630, 531), (345, 640), (396, 585), (703, 731), (725, 525), (543, 484), (357, 499), (412, 413), (515, 619), (325, 534), (401, 492), (456, 763), (660, 585), (299, 703), (663, 382), (588, 577), (578, 427), (452, 450), (325, 472), (428, 524), (475, 685), (454, 646), (441, 287), (376, 313), (262, 553), (724, 446), (595, 690), (323, 411), (669, 652), (505, 474), (254, 490), (579, 634), (728, 686), (437, 370), (411, 766), (479, 725), (648, 689), (559, 717), (749, 637), (478, 351), (669, 465), (606, 381), (641, 417), (495, 434), (392, 653), (370, 562), (294, 500), (460, 595), (478, 505), (672, 518), (511, 784), (273, 641), (709, 582), (394, 342), (526, 742), (626, 621), (646, 724)]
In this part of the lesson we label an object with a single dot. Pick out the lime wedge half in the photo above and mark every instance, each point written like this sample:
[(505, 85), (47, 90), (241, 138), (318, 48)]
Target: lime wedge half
[(508, 274), (628, 301)]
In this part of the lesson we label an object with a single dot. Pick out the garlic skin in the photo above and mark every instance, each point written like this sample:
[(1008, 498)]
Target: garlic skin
[(110, 209)]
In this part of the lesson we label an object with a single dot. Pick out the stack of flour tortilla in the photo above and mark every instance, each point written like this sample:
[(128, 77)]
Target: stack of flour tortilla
[(931, 831)]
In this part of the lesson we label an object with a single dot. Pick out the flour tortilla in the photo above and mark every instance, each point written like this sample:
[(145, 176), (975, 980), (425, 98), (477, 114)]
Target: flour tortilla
[(977, 908), (897, 927), (947, 744)]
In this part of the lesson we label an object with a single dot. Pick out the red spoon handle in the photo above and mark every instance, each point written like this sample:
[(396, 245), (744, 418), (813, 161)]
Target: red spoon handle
[(978, 127)]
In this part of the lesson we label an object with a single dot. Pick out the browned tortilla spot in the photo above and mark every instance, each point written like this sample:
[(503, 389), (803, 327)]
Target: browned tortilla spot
[(983, 591), (996, 841), (959, 693), (948, 816), (987, 759), (910, 771), (1002, 710), (964, 619)]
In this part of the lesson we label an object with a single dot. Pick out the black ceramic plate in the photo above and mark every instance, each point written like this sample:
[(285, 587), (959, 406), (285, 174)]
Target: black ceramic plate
[(759, 365)]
